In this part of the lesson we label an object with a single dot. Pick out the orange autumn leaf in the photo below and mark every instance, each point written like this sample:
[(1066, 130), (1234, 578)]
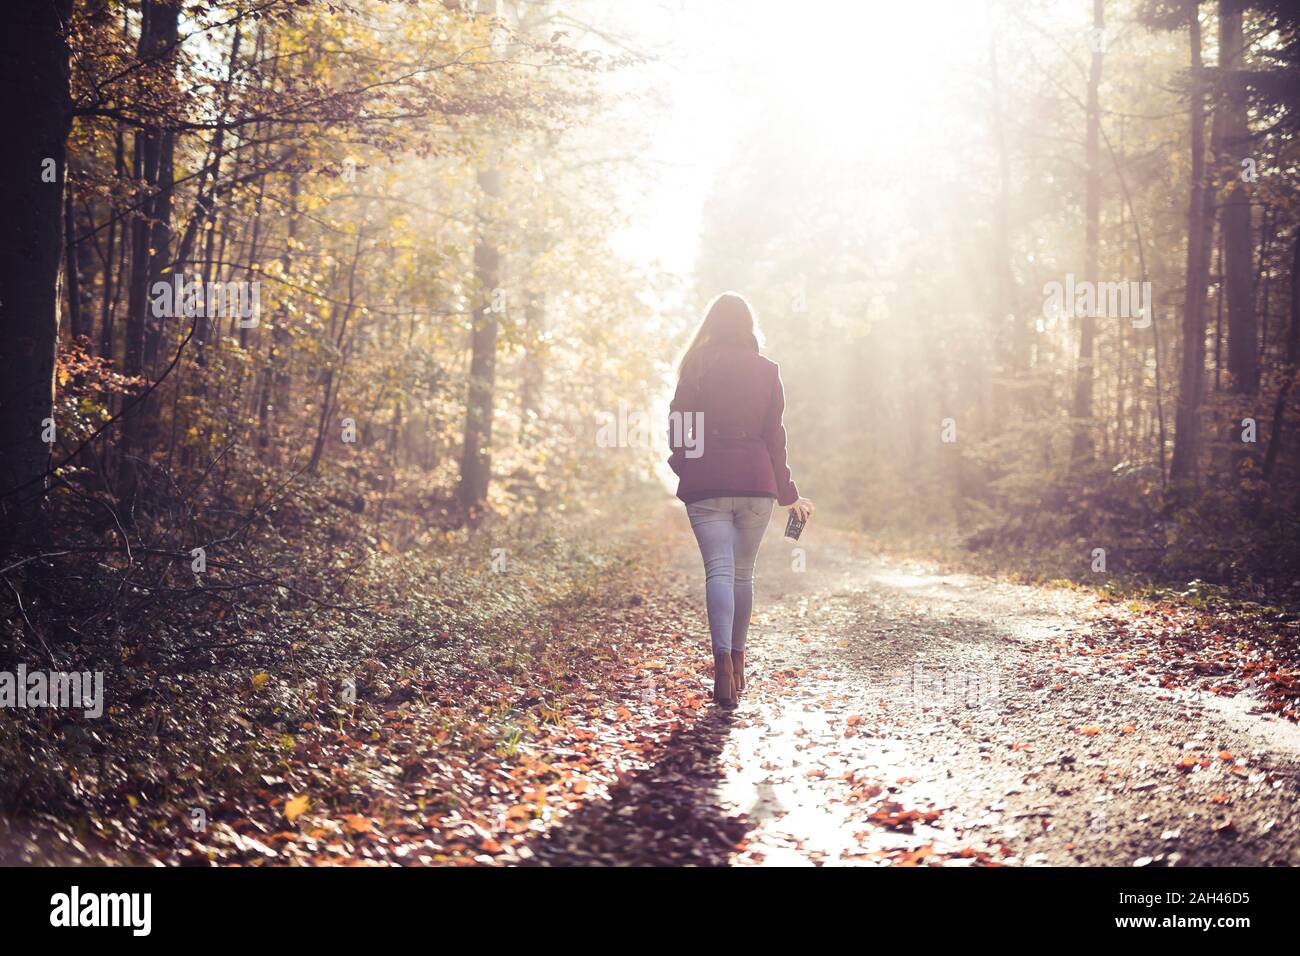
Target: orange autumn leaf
[(866, 792), (914, 857), (296, 807)]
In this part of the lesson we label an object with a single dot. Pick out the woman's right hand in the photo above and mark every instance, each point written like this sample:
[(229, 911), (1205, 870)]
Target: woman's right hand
[(803, 509)]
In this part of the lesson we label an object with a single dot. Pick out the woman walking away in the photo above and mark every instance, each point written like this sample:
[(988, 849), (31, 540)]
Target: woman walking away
[(728, 450)]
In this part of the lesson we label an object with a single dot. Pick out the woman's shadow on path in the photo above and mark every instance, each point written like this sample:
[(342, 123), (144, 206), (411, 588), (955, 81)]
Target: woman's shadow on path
[(666, 815)]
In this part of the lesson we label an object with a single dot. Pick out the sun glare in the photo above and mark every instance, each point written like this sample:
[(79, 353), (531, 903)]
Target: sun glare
[(850, 83)]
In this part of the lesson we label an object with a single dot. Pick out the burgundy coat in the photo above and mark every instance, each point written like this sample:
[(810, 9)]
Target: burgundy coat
[(726, 433)]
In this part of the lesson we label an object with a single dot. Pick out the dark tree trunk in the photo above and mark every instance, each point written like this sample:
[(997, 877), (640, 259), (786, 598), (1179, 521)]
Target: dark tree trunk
[(160, 240), (110, 269), (77, 314), (150, 227), (1292, 360), (1238, 265), (1191, 378), (34, 76)]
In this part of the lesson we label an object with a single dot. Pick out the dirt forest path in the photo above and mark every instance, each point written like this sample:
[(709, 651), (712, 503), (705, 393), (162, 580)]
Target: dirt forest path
[(897, 715)]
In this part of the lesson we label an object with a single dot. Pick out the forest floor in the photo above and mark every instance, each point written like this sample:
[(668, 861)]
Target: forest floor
[(895, 714)]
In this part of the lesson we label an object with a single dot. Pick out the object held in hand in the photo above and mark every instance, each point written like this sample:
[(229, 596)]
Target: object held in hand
[(794, 527)]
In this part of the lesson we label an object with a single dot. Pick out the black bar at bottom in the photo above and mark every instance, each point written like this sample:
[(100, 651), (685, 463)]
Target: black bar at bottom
[(242, 906)]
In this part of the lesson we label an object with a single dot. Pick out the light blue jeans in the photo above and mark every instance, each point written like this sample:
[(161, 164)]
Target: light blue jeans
[(729, 531)]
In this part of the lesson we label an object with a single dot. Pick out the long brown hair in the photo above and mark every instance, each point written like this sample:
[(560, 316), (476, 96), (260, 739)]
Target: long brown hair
[(729, 321)]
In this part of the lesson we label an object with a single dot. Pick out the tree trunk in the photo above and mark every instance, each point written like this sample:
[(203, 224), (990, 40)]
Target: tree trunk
[(1292, 360), (158, 32), (476, 456), (1082, 447), (77, 315), (160, 239), (1243, 331), (1191, 377), (110, 270), (34, 74)]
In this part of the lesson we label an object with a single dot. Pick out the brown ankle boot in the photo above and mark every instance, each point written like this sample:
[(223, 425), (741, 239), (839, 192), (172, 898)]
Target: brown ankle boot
[(738, 670), (724, 690)]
